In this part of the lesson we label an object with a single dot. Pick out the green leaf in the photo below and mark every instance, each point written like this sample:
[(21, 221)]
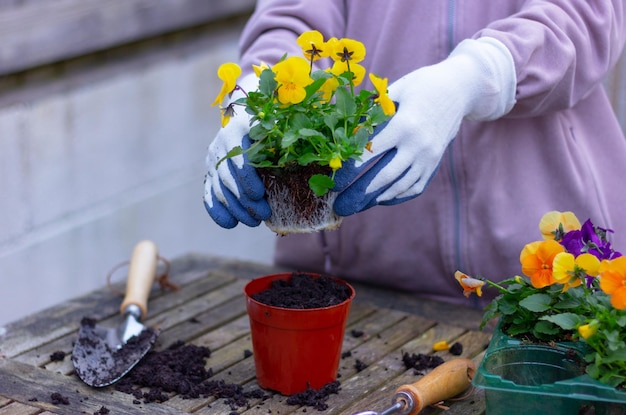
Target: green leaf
[(568, 303), (514, 330), (257, 132), (330, 120), (566, 321), (299, 121), (536, 303), (490, 312), (308, 132), (289, 139), (346, 106), (313, 87), (267, 83), (308, 158), (544, 327), (507, 307), (321, 184), (232, 153)]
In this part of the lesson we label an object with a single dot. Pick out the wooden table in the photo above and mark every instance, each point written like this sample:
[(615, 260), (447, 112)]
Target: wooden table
[(209, 310)]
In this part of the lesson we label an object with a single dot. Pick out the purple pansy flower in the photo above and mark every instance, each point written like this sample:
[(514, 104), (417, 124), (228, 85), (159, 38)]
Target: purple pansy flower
[(589, 239)]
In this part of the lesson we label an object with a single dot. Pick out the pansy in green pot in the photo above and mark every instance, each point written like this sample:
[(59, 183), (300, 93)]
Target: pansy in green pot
[(304, 117), (561, 328)]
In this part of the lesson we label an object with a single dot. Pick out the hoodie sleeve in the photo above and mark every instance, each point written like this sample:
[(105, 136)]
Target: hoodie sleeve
[(562, 50), (275, 25)]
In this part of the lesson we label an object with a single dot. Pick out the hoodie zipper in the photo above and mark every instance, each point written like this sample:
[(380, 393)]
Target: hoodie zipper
[(456, 204)]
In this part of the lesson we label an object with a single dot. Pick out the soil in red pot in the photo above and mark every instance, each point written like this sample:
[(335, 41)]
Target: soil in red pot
[(303, 291)]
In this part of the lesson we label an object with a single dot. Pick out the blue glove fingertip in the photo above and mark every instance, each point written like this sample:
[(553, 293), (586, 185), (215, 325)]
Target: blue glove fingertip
[(220, 214)]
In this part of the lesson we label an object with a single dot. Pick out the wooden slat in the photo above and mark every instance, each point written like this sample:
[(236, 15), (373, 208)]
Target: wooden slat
[(39, 32), (16, 408), (25, 383)]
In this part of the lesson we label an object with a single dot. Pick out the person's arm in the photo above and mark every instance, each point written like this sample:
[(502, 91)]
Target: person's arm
[(562, 49), (552, 53)]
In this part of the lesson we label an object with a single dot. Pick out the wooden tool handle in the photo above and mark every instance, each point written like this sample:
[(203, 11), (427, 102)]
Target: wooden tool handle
[(445, 381), (141, 274)]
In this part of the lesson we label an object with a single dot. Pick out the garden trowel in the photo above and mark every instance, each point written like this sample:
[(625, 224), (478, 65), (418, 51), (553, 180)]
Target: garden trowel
[(102, 355), (445, 381)]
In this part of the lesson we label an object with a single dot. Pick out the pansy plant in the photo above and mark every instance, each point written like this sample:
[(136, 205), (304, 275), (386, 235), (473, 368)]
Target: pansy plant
[(301, 115), (573, 288)]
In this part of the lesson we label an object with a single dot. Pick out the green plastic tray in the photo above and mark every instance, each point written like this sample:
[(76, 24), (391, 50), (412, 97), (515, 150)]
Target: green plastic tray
[(525, 378)]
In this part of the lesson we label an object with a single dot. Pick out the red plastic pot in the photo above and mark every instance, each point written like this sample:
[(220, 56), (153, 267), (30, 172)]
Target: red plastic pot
[(295, 349)]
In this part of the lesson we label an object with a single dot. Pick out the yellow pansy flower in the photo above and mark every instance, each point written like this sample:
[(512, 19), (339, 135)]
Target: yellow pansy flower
[(313, 45), (259, 68), (555, 224), (329, 87), (346, 50), (569, 270), (358, 71), (388, 106), (228, 72), (292, 75), (226, 113)]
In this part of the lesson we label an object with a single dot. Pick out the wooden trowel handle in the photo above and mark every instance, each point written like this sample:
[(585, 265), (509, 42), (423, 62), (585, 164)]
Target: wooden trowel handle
[(445, 381), (141, 274)]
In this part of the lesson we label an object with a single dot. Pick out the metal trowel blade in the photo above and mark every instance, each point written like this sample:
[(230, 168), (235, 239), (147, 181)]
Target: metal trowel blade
[(101, 356)]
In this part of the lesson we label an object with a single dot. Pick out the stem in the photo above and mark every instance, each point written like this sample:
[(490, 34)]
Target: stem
[(351, 78), (498, 286)]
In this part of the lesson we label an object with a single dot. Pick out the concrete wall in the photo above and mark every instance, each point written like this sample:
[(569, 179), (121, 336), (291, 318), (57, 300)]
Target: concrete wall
[(107, 154)]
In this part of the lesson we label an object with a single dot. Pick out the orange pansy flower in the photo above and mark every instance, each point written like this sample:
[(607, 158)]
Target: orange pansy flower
[(469, 284), (613, 281), (536, 259)]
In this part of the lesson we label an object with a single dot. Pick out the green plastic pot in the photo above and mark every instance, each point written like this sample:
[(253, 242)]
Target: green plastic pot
[(525, 378)]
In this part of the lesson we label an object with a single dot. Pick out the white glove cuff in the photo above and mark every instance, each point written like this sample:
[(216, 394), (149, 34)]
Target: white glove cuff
[(491, 78)]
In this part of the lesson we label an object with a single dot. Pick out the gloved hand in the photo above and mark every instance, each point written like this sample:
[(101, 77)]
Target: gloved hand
[(476, 82), (234, 192)]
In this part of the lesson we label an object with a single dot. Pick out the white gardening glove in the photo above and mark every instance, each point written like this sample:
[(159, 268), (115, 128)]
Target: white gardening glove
[(234, 192), (476, 82)]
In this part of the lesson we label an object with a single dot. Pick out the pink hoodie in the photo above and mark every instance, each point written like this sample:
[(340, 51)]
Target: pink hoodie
[(560, 148)]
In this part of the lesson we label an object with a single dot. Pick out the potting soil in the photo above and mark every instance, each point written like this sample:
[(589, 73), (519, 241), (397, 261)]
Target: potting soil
[(304, 291)]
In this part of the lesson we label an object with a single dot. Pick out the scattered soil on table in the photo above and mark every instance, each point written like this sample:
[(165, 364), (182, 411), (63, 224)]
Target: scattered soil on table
[(456, 349), (359, 365), (420, 362), (356, 333), (102, 411), (57, 399), (302, 291), (181, 369), (57, 356), (315, 398)]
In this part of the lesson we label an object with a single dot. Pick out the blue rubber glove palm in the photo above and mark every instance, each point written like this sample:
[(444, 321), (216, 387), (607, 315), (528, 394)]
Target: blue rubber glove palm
[(477, 81), (233, 191)]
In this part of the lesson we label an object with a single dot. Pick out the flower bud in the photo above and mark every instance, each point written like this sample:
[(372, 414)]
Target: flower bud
[(588, 330)]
